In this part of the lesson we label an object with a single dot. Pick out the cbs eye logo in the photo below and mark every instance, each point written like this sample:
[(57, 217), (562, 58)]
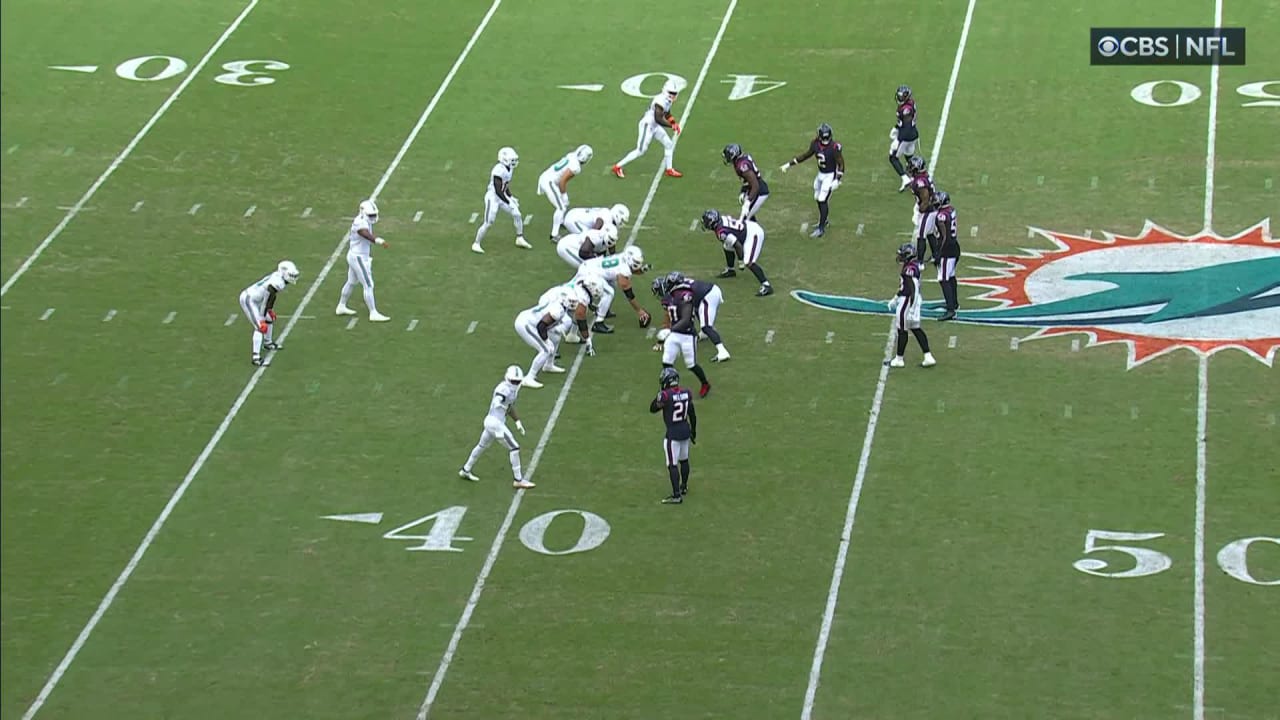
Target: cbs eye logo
[(1108, 46)]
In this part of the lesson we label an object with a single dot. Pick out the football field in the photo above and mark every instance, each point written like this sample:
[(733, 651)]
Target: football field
[(1074, 514)]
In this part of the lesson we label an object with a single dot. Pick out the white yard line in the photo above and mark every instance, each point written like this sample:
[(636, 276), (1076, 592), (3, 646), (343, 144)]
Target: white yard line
[(240, 400), (437, 680), (124, 154), (842, 553)]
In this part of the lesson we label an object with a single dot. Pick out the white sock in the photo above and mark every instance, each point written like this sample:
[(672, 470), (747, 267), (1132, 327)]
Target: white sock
[(667, 158), (271, 328), (519, 221), (480, 231), (539, 361), (369, 301), (257, 343), (630, 156), (346, 293), (557, 222), (720, 348), (471, 460), (515, 463)]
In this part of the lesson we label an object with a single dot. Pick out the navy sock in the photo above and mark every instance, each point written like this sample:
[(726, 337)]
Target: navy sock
[(675, 479), (697, 370), (822, 213), (759, 273)]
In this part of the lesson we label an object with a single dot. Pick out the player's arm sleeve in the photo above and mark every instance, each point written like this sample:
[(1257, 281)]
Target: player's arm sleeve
[(660, 116), (544, 326), (271, 297), (653, 404), (367, 234), (693, 421), (839, 164), (753, 185), (497, 189), (801, 158)]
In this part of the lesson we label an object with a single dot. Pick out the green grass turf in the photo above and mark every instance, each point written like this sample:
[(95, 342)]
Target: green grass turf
[(959, 598)]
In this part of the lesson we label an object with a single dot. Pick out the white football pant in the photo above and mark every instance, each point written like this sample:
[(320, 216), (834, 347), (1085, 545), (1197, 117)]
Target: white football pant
[(492, 204), (547, 186), (359, 272), (678, 344), (567, 248), (648, 131), (527, 328), (495, 429)]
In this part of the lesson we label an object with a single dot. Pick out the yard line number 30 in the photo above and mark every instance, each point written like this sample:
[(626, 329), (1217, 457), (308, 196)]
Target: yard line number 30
[(1233, 558)]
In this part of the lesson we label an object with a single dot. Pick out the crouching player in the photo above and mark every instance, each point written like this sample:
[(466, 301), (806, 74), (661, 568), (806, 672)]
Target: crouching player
[(676, 405), (502, 404)]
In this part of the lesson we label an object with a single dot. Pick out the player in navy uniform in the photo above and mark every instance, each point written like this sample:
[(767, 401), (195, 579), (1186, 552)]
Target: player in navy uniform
[(743, 240), (754, 189), (830, 171), (707, 298), (944, 246), (904, 135), (922, 212), (677, 336), (676, 405), (906, 308)]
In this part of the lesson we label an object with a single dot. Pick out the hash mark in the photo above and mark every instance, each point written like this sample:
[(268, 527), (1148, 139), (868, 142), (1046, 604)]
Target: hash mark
[(751, 400), (377, 387), (1040, 180), (528, 219), (46, 314), (473, 218), (412, 324), (235, 155), (1267, 183), (448, 165), (1075, 344), (875, 175), (417, 216), (438, 389), (626, 395), (831, 336), (58, 378), (1004, 408), (472, 327), (195, 208), (1066, 411), (110, 314), (858, 230), (973, 231), (813, 404), (352, 323), (1093, 183), (1031, 232), (1013, 343), (68, 151), (250, 211), (123, 382), (951, 342), (651, 332), (231, 319), (169, 318), (1271, 419), (804, 227), (768, 336), (942, 406), (983, 180), (178, 157), (21, 201), (137, 206), (1133, 412), (13, 149), (1151, 183), (1088, 233), (693, 225), (306, 212)]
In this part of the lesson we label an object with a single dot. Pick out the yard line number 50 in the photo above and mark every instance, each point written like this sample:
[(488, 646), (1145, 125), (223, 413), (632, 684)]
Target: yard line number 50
[(1233, 558), (1188, 93)]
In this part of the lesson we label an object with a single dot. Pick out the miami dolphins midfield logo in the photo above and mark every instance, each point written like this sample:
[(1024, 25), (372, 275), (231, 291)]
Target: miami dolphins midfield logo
[(1156, 292)]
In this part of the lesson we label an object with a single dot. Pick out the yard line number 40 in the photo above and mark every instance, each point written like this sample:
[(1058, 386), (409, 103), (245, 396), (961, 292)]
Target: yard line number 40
[(1233, 558), (446, 523)]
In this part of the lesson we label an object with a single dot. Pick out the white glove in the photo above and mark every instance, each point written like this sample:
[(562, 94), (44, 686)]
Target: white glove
[(835, 185), (663, 334), (785, 168), (894, 302), (893, 134), (591, 348), (520, 427), (742, 198)]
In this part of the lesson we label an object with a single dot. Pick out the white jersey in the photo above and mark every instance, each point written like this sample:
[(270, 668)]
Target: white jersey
[(548, 304), (569, 163), (359, 245), (663, 101), (571, 288), (610, 268), (261, 290), (581, 219), (504, 396), (503, 174)]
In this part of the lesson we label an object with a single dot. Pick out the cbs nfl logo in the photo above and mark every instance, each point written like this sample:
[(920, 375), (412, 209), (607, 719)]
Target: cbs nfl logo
[(1167, 46)]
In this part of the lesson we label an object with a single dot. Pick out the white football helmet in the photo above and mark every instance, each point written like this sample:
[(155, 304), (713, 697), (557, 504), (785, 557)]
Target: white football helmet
[(620, 214), (369, 209), (569, 301), (584, 154), (635, 258), (508, 158), (670, 87), (611, 233), (514, 374), (594, 286), (288, 271)]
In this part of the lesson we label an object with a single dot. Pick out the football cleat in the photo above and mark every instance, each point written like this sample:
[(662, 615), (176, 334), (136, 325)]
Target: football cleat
[(520, 243), (343, 310), (475, 248), (721, 356), (897, 361), (552, 368), (706, 388), (764, 291), (684, 489), (928, 360), (617, 170), (728, 273), (466, 474), (672, 172), (672, 500), (818, 232), (530, 382), (260, 362), (378, 317), (522, 485), (600, 327), (950, 314), (906, 181), (272, 346)]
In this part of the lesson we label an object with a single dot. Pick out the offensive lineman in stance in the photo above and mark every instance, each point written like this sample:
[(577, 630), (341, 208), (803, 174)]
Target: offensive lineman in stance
[(501, 406), (676, 405)]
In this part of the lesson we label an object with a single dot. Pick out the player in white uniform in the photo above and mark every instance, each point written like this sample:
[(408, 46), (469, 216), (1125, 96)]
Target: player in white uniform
[(498, 197), (579, 220), (502, 404), (359, 263), (575, 248), (258, 302), (653, 125), (906, 308), (616, 270), (554, 183), (540, 327)]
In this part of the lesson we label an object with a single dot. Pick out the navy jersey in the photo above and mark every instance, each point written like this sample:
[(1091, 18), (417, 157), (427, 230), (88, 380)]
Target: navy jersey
[(922, 186), (744, 165), (907, 121), (828, 155), (909, 283), (679, 308), (676, 405), (701, 288), (948, 229), (731, 229)]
